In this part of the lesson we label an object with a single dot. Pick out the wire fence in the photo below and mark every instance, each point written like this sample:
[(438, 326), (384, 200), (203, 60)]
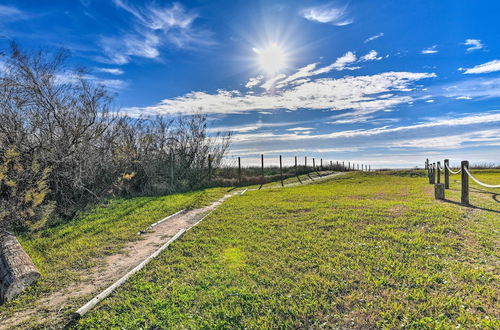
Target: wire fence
[(234, 171), (434, 171)]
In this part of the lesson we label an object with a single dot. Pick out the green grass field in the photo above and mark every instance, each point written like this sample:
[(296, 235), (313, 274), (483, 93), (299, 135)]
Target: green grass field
[(65, 252), (361, 250)]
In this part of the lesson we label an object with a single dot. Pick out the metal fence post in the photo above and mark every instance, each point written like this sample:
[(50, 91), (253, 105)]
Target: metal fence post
[(446, 174), (465, 183)]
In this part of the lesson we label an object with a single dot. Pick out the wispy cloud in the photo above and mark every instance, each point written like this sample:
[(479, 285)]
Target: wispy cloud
[(430, 50), (329, 13), (381, 34), (436, 122), (252, 82), (303, 75), (472, 88), (6, 11), (11, 13), (361, 93), (491, 66), (371, 56), (113, 71), (153, 27), (474, 44)]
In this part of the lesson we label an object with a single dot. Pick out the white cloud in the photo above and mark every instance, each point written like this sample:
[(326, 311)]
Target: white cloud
[(474, 87), (113, 71), (71, 77), (153, 27), (381, 34), (328, 14), (252, 82), (9, 12), (429, 101), (293, 129), (463, 98), (476, 119), (362, 93), (474, 43), (487, 67), (430, 50), (371, 56), (490, 137)]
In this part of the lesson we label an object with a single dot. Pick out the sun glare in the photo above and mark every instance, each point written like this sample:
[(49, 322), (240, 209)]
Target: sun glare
[(271, 59)]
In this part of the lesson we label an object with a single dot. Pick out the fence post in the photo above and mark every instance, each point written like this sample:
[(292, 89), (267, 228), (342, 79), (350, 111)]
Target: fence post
[(281, 172), (314, 165), (171, 169), (343, 166), (321, 163), (348, 166), (209, 168), (465, 183), (427, 163), (432, 175), (438, 172), (296, 170), (262, 167), (446, 174), (305, 162), (239, 170)]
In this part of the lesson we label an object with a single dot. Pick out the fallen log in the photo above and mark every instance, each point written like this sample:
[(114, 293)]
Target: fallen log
[(17, 271)]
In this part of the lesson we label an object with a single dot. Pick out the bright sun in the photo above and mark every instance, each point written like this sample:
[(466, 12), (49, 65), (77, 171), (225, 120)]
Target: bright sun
[(271, 59)]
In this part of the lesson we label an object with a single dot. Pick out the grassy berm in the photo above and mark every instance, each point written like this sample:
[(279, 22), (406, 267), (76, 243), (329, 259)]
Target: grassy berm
[(362, 250)]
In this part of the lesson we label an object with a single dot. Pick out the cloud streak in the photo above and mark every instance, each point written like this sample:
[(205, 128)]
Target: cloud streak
[(361, 93), (328, 14), (475, 44), (491, 66), (153, 27), (380, 35)]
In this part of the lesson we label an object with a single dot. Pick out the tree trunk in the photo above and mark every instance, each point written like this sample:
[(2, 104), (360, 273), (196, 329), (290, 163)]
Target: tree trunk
[(17, 271)]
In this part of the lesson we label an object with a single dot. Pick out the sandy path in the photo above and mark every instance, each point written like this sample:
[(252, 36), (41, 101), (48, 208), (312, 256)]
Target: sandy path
[(55, 307)]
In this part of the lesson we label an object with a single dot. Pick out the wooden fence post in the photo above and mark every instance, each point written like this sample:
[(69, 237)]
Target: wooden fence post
[(171, 169), (321, 163), (348, 166), (296, 169), (343, 166), (305, 162), (438, 172), (209, 168), (281, 172), (465, 183), (239, 170), (262, 167), (427, 164), (446, 174), (314, 165), (432, 177)]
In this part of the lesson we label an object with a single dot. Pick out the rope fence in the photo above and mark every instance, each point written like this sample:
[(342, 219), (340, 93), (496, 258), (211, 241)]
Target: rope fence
[(434, 173)]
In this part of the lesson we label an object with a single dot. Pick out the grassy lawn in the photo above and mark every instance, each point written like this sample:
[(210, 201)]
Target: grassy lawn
[(360, 250), (65, 252)]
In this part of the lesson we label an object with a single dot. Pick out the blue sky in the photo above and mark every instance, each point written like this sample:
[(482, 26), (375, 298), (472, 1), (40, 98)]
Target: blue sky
[(387, 83)]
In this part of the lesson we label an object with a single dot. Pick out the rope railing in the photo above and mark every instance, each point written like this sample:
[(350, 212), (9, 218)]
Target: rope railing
[(434, 174), (479, 182), (451, 171)]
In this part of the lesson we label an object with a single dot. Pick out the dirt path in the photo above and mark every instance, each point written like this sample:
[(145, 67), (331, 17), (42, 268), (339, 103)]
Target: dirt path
[(55, 309)]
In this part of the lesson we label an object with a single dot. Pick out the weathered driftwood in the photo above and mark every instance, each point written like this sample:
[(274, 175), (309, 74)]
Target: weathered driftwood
[(17, 271)]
